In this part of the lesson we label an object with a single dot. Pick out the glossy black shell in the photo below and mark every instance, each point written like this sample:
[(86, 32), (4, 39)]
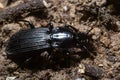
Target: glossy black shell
[(28, 40), (40, 39)]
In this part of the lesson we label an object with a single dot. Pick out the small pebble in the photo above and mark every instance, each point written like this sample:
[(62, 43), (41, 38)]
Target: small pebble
[(100, 2), (118, 25), (105, 41), (97, 33), (80, 79), (100, 65), (10, 78), (112, 58), (1, 6), (65, 8), (81, 68), (16, 73), (46, 4)]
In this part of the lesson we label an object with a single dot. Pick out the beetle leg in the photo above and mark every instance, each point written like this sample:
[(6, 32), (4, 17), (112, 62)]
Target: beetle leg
[(29, 23), (89, 52), (51, 52), (50, 26)]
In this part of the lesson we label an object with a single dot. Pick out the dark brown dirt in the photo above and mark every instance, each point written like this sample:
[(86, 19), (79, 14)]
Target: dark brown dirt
[(101, 15)]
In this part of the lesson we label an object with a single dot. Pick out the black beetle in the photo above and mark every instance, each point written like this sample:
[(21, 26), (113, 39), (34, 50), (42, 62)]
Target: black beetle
[(36, 40)]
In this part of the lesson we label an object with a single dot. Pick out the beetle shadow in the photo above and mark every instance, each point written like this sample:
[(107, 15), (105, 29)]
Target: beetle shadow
[(58, 60)]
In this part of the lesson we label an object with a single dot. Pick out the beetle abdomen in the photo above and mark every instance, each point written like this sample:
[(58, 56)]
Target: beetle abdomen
[(28, 41)]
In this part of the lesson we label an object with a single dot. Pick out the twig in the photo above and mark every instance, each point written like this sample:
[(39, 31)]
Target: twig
[(10, 14), (94, 71)]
